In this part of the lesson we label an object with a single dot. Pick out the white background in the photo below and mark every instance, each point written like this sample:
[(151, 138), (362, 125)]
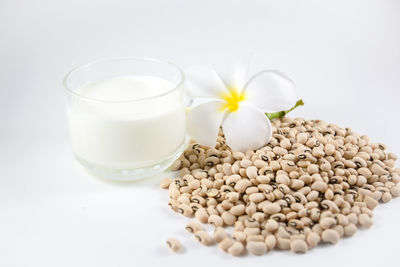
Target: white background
[(343, 55)]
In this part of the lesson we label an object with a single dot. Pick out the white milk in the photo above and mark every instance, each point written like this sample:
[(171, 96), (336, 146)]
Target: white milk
[(131, 134)]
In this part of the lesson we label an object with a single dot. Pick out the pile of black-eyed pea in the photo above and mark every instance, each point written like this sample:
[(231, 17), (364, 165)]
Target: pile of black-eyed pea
[(314, 182)]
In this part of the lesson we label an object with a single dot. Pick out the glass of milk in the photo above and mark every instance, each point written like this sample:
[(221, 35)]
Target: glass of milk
[(126, 116)]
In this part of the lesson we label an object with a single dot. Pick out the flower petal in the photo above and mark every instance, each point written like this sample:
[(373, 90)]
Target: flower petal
[(271, 90), (204, 82), (235, 74), (247, 128), (204, 120)]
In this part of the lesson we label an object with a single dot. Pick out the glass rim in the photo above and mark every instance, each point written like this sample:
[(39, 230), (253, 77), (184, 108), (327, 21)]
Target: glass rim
[(80, 67)]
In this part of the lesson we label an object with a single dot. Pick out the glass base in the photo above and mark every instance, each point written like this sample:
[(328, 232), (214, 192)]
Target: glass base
[(130, 174)]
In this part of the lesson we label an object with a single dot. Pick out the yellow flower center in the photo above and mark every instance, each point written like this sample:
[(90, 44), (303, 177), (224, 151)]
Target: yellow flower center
[(232, 99)]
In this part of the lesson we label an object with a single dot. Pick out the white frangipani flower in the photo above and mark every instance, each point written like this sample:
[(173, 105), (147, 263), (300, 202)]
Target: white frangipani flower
[(238, 103)]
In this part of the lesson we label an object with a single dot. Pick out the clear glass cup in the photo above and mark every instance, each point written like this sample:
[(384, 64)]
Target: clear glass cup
[(126, 139)]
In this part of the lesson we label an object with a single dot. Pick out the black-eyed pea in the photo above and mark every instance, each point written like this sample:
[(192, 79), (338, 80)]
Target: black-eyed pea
[(313, 195), (238, 210), (227, 205), (236, 249), (232, 180), (258, 216), (318, 152), (311, 205), (257, 248), (296, 184), (395, 190), (313, 239), (256, 197), (279, 150), (283, 243), (288, 166), (271, 208), (350, 229), (271, 225), (326, 213), (263, 179), (203, 237), (244, 163), (185, 209), (302, 138), (275, 165), (239, 226), (361, 180), (296, 224), (195, 206), (173, 193), (183, 199), (313, 168), (306, 221), (228, 218), (226, 244), (215, 220), (353, 218), (232, 197), (185, 189), (377, 195), (371, 203), (303, 213), (210, 201), (294, 175), (194, 184), (298, 246), (285, 143), (251, 172), (330, 205), (184, 170), (339, 229), (251, 189), (251, 208), (227, 168), (315, 214), (251, 222), (291, 216), (364, 220), (329, 149), (330, 236), (242, 185), (282, 232), (164, 184), (198, 199), (174, 244), (386, 197), (342, 219), (251, 231), (300, 197), (177, 165), (239, 236), (270, 242), (220, 209), (296, 207), (187, 178), (238, 155), (193, 227), (173, 204), (317, 229), (219, 234), (257, 238), (319, 186)]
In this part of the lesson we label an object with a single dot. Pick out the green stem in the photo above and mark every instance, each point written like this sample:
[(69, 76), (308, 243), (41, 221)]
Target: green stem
[(281, 114)]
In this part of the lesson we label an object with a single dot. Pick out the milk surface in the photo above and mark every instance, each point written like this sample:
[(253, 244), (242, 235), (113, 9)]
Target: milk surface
[(134, 128)]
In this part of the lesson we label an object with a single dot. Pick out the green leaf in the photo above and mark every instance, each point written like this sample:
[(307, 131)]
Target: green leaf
[(281, 114)]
